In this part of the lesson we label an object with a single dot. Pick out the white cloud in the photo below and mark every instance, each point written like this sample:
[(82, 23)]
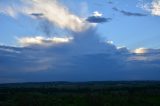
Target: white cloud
[(52, 10), (156, 7), (146, 50), (97, 14), (9, 11), (140, 50), (109, 42), (153, 7), (145, 54), (39, 40)]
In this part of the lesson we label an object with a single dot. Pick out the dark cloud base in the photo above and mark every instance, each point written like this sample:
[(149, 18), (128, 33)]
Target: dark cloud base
[(96, 19), (83, 59)]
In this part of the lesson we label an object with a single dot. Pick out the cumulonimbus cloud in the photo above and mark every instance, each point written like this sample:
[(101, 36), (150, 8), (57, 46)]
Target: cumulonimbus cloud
[(85, 58)]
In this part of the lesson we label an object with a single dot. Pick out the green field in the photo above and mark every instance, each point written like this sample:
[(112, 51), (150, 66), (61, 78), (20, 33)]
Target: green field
[(106, 93)]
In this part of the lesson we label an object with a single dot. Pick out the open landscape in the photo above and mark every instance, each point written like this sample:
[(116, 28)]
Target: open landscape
[(104, 93), (79, 52)]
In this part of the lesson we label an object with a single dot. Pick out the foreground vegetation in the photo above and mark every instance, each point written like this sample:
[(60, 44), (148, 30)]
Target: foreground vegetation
[(144, 93)]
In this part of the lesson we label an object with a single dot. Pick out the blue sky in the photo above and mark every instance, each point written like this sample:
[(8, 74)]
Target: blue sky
[(130, 31), (79, 40)]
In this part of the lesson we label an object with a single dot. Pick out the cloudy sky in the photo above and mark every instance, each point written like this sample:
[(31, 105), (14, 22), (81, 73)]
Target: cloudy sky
[(79, 40)]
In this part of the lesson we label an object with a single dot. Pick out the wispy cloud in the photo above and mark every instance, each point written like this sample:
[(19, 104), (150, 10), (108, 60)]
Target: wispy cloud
[(127, 13), (54, 12)]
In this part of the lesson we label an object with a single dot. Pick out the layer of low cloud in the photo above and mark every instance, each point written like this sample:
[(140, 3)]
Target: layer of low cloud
[(97, 18), (128, 13), (85, 58)]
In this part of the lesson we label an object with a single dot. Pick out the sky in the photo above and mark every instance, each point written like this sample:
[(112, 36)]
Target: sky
[(79, 40)]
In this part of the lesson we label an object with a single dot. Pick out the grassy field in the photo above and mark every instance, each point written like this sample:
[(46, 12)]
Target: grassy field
[(106, 93)]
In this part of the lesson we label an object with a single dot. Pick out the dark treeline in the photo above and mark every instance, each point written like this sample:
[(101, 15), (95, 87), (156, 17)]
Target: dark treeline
[(121, 93)]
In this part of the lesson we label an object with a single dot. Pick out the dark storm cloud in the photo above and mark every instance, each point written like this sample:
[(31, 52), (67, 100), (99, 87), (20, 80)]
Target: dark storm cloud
[(127, 13), (97, 19), (83, 59)]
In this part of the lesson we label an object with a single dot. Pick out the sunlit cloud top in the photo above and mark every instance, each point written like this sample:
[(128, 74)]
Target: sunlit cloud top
[(39, 40)]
